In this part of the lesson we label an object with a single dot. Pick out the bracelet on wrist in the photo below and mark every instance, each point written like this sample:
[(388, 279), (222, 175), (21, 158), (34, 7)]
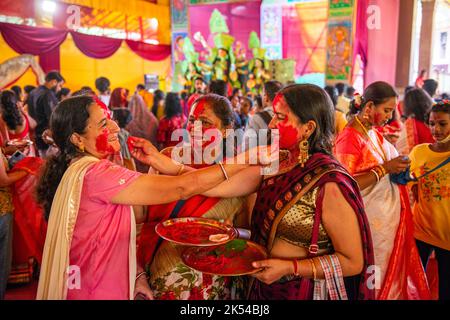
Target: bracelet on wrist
[(180, 170), (140, 274), (224, 171), (314, 270), (295, 263), (376, 174)]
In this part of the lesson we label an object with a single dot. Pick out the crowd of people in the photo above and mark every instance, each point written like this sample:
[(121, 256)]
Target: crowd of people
[(358, 207)]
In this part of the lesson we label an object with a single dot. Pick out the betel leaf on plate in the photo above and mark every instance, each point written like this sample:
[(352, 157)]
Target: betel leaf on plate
[(230, 248)]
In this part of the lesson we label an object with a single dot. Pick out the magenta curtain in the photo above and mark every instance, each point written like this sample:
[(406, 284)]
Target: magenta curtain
[(42, 42), (361, 45), (94, 46), (45, 43), (148, 51)]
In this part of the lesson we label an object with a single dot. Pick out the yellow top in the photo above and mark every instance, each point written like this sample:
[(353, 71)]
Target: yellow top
[(341, 121), (148, 98), (432, 211)]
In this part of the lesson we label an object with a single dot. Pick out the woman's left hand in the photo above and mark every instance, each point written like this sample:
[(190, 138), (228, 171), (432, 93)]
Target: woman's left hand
[(142, 288), (274, 269)]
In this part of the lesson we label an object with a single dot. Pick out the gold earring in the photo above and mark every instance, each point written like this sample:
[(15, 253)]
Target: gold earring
[(80, 149), (304, 152)]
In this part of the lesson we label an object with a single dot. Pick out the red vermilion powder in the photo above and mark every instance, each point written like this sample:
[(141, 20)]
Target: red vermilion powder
[(229, 263), (190, 232)]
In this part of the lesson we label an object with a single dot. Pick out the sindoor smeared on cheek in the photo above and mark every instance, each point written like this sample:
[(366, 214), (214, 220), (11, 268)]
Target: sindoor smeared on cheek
[(101, 143)]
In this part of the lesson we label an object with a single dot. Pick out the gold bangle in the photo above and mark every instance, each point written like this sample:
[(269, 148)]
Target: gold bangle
[(180, 170), (383, 170), (224, 171), (376, 174), (314, 270), (141, 274)]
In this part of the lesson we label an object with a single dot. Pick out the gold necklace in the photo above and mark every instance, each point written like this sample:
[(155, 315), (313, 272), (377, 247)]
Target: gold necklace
[(382, 154)]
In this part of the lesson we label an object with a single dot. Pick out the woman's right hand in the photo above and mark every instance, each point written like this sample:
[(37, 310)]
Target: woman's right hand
[(142, 150), (397, 165), (147, 153)]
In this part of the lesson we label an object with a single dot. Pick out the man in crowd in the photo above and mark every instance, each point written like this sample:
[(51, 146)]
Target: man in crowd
[(102, 85), (41, 103)]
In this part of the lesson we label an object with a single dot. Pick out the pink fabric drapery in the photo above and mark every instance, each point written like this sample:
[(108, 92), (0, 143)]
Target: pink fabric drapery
[(46, 42), (361, 44), (304, 36), (149, 51), (40, 42), (94, 46)]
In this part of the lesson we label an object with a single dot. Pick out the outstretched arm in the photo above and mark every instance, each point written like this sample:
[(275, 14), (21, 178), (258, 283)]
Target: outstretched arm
[(242, 184), (154, 189)]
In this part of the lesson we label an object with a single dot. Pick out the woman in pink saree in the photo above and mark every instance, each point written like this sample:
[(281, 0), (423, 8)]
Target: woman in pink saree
[(89, 251)]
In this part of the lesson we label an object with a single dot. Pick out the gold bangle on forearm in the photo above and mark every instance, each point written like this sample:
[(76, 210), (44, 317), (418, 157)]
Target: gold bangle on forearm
[(224, 171), (180, 170), (314, 270), (376, 174), (141, 274), (383, 171)]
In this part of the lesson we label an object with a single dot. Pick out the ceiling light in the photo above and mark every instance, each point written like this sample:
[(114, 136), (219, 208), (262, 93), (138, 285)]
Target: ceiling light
[(49, 6)]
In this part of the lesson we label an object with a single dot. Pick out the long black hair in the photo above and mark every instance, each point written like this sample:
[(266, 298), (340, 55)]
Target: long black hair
[(223, 110), (172, 105), (70, 116), (417, 104), (10, 113), (310, 102), (378, 92), (158, 95)]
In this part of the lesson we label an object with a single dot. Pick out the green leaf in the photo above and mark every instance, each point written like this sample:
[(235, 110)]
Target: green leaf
[(181, 268), (237, 245), (189, 277)]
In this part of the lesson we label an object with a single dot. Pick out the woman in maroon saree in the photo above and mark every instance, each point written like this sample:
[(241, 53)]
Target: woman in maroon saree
[(309, 215)]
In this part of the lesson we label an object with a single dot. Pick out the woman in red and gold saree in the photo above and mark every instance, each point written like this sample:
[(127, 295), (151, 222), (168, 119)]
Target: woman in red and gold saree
[(415, 131), (370, 159), (309, 215), (30, 226), (169, 277)]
